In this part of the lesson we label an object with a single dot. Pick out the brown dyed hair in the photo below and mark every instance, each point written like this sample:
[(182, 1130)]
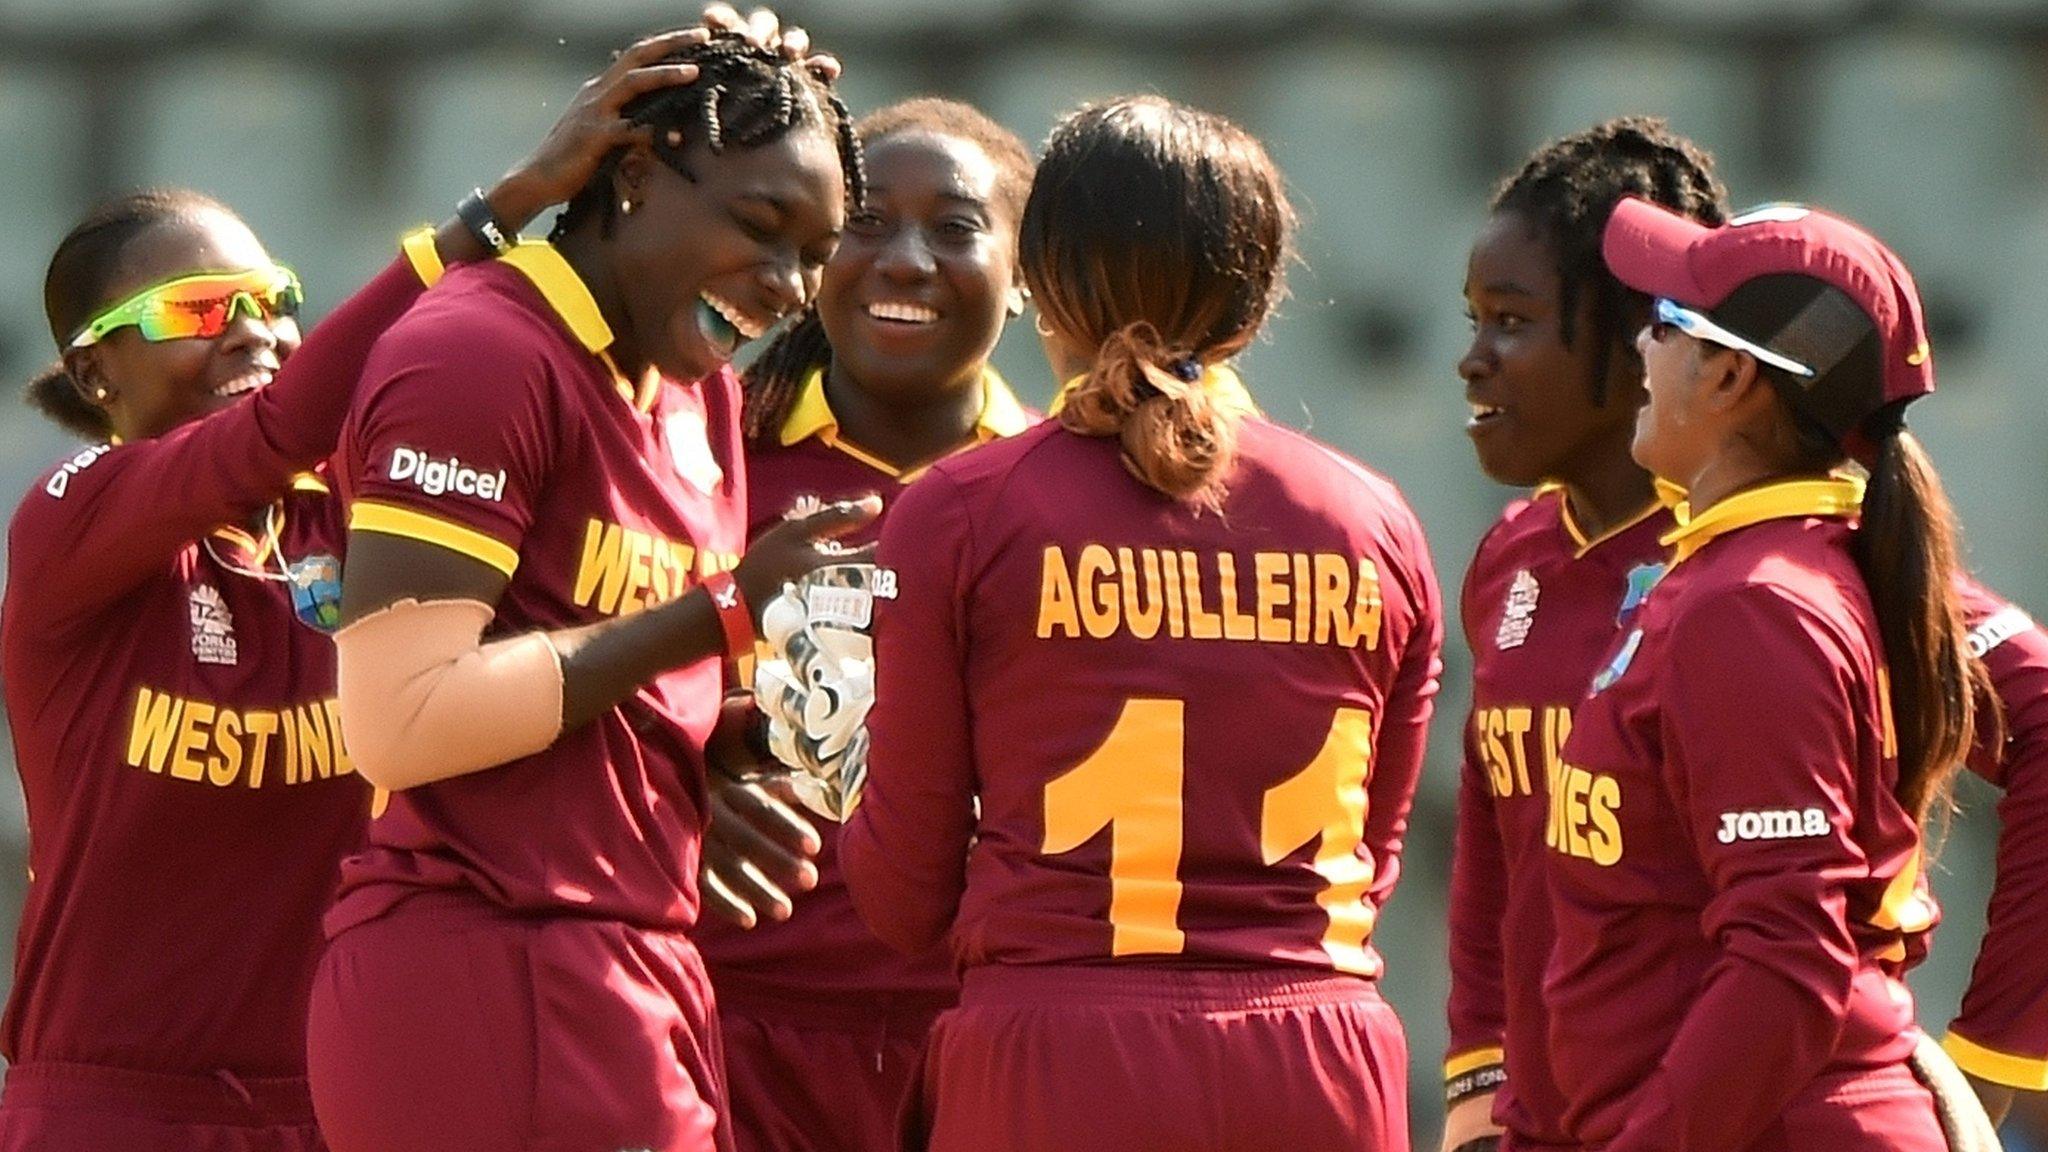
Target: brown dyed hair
[(1156, 234)]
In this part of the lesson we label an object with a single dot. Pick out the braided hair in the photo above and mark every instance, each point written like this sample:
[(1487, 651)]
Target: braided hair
[(775, 377), (1568, 189), (75, 287), (744, 96)]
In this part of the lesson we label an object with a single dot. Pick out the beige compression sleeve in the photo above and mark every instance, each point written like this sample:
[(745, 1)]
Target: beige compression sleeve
[(423, 698)]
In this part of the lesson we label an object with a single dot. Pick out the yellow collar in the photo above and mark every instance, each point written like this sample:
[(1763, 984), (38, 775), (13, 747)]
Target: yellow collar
[(1833, 496), (1001, 415), (1221, 381), (571, 300), (1582, 543)]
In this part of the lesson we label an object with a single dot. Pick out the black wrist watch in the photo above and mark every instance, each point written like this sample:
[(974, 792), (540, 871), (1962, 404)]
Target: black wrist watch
[(475, 213)]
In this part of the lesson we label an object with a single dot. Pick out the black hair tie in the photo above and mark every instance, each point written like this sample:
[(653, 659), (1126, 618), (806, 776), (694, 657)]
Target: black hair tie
[(1188, 369)]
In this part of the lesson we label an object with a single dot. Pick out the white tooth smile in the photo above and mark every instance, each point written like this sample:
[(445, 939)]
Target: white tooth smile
[(747, 328), (902, 312), (1482, 411), (241, 384)]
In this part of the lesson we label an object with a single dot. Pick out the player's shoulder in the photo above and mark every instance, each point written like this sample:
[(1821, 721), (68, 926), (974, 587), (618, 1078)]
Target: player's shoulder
[(479, 315), (1528, 523), (1995, 623), (991, 464), (1308, 467)]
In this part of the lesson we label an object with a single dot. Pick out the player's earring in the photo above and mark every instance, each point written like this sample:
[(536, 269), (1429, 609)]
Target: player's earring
[(625, 207), (1014, 305), (99, 393), (1038, 323)]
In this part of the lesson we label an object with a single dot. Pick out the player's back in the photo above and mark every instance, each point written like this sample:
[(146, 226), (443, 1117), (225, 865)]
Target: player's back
[(1174, 711)]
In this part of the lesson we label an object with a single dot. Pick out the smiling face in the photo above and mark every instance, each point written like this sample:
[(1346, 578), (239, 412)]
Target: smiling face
[(1534, 417), (701, 267), (1675, 436), (916, 297), (153, 387)]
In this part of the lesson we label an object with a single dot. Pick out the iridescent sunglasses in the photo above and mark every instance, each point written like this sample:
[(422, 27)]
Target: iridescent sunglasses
[(1696, 325), (199, 306)]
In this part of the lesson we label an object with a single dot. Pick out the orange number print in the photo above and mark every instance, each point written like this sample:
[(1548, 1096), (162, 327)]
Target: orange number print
[(1133, 785)]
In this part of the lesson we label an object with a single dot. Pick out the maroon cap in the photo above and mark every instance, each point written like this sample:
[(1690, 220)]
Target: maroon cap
[(1793, 279)]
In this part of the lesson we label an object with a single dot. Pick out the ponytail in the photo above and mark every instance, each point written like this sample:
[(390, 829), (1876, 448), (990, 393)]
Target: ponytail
[(771, 383), (1177, 436), (56, 395), (1905, 547)]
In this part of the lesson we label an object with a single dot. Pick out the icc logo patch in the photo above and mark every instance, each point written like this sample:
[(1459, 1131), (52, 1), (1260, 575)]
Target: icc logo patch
[(1641, 579), (1622, 659)]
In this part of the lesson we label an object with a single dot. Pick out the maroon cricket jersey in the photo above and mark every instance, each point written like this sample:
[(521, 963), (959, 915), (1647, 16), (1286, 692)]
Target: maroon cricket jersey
[(1732, 880), (174, 725), (1542, 604), (2001, 1033), (1192, 735), (492, 423), (824, 951)]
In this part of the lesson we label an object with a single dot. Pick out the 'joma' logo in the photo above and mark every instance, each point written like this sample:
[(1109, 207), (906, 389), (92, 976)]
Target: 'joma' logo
[(1772, 824)]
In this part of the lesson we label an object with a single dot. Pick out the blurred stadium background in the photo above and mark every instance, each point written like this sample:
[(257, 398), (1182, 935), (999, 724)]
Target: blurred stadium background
[(333, 124)]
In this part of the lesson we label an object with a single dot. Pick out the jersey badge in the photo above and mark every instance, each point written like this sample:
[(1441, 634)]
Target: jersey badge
[(1641, 579), (213, 627), (1622, 659), (1518, 615), (316, 591), (689, 445)]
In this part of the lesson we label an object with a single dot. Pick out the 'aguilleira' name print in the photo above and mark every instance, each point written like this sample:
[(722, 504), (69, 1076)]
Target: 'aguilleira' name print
[(1262, 597), (200, 740), (625, 570)]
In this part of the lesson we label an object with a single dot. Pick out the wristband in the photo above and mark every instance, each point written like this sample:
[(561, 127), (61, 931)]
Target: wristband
[(733, 617), (424, 257), (476, 215)]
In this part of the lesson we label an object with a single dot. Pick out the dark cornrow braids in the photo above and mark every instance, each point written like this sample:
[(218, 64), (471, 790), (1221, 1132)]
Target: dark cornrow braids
[(777, 375), (771, 383), (744, 96), (1570, 186)]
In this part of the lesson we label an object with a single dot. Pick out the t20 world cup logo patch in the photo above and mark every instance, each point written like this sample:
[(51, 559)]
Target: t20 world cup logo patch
[(213, 626), (1518, 615)]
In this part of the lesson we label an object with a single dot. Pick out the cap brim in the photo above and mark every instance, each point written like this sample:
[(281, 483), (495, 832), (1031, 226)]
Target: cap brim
[(1650, 249)]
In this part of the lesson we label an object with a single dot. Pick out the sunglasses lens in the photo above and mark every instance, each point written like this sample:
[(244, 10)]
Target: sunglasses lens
[(202, 308)]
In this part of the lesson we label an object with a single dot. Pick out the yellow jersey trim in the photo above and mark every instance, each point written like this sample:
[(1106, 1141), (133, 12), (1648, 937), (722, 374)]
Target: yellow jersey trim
[(418, 246), (2023, 1072), (811, 416), (1221, 381), (1834, 496), (308, 482), (392, 520), (1581, 543), (570, 298), (1464, 1062)]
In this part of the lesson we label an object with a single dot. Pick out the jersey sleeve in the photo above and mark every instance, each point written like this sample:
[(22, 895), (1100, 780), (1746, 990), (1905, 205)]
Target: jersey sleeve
[(1737, 739), (2001, 1033), (1477, 1008), (1404, 728), (453, 438), (905, 848), (110, 517)]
